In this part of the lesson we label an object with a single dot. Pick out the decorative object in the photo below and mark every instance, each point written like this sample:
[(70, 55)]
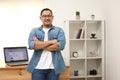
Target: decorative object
[(93, 35), (77, 15), (76, 73), (92, 16), (93, 53), (75, 54), (93, 72)]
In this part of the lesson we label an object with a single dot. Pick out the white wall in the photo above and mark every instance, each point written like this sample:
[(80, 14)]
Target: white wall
[(17, 18), (65, 9), (112, 11)]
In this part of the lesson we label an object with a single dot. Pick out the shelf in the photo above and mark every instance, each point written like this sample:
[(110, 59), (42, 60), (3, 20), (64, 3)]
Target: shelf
[(94, 64), (77, 46), (77, 39), (77, 65), (94, 78), (86, 54), (79, 76), (77, 79), (77, 58)]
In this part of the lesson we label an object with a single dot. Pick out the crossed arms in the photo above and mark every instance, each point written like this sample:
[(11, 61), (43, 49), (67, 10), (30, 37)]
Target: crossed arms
[(50, 45)]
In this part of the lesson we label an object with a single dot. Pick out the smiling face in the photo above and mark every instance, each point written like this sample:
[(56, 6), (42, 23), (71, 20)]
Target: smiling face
[(46, 18)]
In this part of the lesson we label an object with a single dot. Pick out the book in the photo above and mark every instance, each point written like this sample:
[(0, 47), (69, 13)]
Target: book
[(79, 33), (82, 33)]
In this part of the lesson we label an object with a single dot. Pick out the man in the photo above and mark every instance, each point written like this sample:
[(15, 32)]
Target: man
[(47, 41)]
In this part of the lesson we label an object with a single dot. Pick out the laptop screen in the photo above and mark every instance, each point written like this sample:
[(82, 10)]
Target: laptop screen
[(15, 54)]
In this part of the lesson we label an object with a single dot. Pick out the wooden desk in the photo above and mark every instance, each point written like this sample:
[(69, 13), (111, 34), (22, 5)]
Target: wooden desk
[(65, 75), (19, 73), (14, 73)]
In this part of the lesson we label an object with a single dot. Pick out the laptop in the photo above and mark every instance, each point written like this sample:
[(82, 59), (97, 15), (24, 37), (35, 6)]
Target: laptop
[(16, 55)]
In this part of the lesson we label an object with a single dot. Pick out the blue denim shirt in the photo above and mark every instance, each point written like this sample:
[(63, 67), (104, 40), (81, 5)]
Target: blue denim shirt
[(53, 33)]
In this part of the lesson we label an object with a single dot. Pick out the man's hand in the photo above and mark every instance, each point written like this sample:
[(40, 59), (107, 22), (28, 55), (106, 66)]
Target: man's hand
[(53, 41), (35, 39), (53, 46), (36, 42), (44, 44)]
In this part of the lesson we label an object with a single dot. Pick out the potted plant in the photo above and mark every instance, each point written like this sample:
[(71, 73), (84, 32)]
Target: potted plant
[(92, 16), (77, 15)]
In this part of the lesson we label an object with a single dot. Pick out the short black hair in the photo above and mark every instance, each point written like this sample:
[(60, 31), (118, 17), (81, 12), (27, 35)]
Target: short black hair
[(46, 9)]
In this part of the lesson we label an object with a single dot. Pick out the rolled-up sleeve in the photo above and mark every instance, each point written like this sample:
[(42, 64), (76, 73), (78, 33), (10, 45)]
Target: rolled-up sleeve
[(30, 39), (61, 39)]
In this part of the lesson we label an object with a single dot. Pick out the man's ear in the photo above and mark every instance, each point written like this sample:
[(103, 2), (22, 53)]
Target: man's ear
[(53, 17), (40, 17)]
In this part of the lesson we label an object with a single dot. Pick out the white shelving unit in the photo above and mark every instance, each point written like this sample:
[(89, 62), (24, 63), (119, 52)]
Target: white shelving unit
[(88, 60)]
